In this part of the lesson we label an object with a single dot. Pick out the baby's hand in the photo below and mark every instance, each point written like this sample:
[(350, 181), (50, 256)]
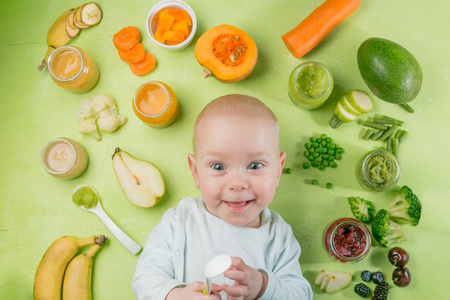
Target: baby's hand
[(249, 283), (194, 291)]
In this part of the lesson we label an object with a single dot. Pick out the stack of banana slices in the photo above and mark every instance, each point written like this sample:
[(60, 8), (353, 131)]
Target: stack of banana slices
[(68, 26)]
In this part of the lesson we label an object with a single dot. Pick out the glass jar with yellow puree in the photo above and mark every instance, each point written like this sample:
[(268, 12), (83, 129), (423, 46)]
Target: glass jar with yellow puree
[(155, 104), (73, 69)]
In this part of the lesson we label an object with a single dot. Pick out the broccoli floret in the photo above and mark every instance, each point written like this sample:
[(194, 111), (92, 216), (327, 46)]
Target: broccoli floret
[(362, 209), (386, 231), (406, 207)]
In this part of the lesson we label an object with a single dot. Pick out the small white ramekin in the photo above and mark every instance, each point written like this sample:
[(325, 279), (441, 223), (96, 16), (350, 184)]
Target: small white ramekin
[(152, 21)]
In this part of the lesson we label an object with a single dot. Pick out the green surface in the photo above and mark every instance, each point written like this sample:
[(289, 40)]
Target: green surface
[(36, 208)]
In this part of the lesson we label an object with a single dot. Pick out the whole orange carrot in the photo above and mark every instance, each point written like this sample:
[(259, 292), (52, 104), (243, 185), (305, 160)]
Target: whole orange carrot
[(317, 25)]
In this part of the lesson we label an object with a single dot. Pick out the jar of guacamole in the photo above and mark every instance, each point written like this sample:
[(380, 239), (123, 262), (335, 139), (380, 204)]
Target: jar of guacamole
[(310, 85), (378, 170)]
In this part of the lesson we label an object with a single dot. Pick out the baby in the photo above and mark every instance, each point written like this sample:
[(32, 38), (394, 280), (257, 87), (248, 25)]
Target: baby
[(237, 165)]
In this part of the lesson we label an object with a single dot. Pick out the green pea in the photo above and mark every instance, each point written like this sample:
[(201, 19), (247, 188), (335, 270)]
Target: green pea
[(315, 182), (312, 139), (329, 185), (319, 150), (330, 158), (315, 154), (321, 167), (314, 164), (326, 163), (310, 158), (315, 144), (305, 165), (306, 153), (333, 164), (311, 150), (332, 146), (337, 156), (323, 143), (319, 140), (339, 150), (288, 171), (319, 159), (323, 136), (330, 152), (325, 156), (308, 145), (329, 140)]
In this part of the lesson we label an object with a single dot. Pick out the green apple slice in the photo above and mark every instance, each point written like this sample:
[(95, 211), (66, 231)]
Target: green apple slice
[(360, 101)]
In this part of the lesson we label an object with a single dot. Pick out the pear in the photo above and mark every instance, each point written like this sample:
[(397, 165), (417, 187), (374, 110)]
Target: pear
[(331, 281), (141, 181)]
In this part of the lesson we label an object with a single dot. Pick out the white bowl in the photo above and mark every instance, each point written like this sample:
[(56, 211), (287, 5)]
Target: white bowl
[(152, 22)]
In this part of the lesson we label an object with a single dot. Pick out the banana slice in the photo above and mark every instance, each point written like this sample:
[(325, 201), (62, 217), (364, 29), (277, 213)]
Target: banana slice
[(77, 19), (71, 32), (71, 17), (90, 14)]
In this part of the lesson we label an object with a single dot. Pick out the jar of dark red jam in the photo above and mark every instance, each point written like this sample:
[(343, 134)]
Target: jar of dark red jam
[(347, 240)]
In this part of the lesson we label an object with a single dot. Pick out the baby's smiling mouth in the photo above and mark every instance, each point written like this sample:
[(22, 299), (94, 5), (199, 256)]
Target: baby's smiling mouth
[(238, 206)]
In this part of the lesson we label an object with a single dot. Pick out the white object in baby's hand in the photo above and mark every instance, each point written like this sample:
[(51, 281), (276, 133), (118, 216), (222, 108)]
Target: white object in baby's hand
[(215, 267)]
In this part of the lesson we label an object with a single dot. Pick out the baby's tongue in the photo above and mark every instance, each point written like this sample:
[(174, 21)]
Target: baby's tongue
[(237, 204)]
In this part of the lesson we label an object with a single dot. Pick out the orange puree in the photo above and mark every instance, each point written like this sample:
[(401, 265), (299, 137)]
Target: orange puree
[(155, 104), (73, 69)]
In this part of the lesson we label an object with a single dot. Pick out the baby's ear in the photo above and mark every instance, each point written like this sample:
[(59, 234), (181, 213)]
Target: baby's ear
[(192, 166), (282, 162)]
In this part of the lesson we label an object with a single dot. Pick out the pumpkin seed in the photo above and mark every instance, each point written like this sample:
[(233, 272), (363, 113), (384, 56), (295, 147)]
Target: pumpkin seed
[(237, 38), (232, 58)]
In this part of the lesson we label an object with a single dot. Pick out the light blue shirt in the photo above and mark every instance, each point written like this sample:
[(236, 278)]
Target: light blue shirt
[(188, 236)]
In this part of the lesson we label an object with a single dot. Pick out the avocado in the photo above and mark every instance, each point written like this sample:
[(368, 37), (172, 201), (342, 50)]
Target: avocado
[(390, 71)]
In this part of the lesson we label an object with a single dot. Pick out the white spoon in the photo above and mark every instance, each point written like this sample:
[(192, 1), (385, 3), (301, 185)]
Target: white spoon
[(128, 243), (214, 268)]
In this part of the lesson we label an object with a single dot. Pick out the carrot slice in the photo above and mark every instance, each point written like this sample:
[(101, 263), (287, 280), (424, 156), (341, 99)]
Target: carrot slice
[(126, 38), (134, 55), (145, 66), (317, 25)]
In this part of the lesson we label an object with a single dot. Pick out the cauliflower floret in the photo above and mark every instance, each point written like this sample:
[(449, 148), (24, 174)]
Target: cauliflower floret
[(85, 111), (109, 120), (88, 126), (102, 102)]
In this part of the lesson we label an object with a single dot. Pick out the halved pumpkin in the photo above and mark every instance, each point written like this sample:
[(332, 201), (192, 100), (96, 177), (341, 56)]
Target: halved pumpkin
[(227, 53)]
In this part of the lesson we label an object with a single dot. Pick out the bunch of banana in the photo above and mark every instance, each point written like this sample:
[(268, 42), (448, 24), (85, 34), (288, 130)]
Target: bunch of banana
[(78, 277), (49, 274), (68, 26)]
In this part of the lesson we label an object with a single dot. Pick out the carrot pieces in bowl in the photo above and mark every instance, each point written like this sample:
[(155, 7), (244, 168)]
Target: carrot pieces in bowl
[(127, 42)]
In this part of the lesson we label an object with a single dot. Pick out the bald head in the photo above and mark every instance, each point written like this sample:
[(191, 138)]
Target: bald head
[(237, 106)]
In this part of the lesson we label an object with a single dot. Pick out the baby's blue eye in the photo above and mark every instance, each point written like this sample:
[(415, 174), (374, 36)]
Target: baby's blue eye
[(255, 166), (218, 167)]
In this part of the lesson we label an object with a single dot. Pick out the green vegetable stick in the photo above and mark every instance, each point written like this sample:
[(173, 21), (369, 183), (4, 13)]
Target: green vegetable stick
[(399, 122), (388, 132), (395, 147), (401, 136), (368, 134), (375, 125), (377, 135), (389, 144), (384, 121)]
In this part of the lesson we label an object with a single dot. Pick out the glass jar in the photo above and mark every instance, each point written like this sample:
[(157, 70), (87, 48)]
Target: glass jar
[(73, 69), (155, 104), (378, 170), (310, 85), (64, 158), (347, 240)]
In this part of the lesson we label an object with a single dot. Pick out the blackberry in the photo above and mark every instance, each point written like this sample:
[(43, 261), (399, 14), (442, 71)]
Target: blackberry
[(366, 276), (362, 290), (381, 291), (377, 277)]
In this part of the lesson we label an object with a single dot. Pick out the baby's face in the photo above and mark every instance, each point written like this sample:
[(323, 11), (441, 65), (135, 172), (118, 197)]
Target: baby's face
[(237, 167)]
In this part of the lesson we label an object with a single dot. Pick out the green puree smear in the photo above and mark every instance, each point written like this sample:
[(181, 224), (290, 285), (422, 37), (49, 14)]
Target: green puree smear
[(381, 169), (312, 80), (85, 196)]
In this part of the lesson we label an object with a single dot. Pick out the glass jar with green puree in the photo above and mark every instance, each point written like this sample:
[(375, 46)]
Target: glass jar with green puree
[(310, 85), (378, 170)]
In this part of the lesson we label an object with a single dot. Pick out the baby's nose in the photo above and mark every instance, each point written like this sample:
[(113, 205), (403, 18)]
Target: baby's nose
[(237, 181)]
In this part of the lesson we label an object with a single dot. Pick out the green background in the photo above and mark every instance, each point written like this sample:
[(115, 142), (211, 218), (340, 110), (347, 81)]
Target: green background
[(36, 208)]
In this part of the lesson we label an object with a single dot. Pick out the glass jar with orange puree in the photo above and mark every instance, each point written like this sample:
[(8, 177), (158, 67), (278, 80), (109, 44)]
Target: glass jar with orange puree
[(72, 68), (155, 104)]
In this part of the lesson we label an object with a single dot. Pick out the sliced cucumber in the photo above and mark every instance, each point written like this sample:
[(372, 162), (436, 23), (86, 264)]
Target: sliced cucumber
[(343, 114), (360, 101), (347, 106)]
